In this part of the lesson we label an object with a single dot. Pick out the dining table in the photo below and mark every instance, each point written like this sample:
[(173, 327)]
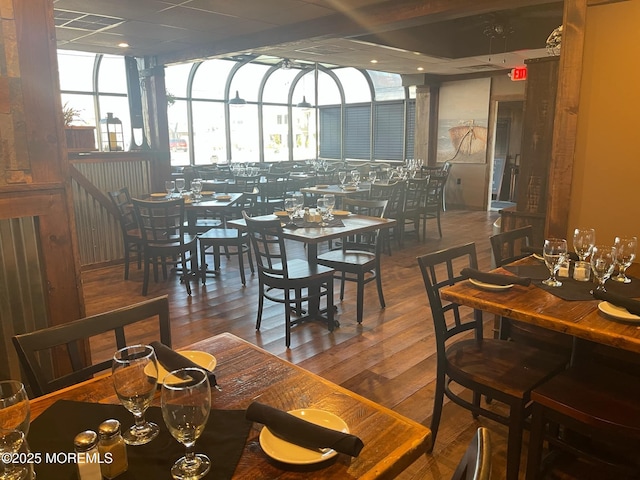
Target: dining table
[(339, 191), (583, 319), (246, 374)]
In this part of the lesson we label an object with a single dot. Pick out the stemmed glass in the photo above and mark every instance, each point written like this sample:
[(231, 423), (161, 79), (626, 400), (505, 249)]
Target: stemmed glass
[(355, 177), (372, 177), (15, 415), (290, 208), (603, 260), (186, 402), (180, 185), (330, 203), (298, 198), (135, 376), (196, 187), (554, 252), (342, 176), (170, 187), (583, 241), (321, 207), (625, 254)]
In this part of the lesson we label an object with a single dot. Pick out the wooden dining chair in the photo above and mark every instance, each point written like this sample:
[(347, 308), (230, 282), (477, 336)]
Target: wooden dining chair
[(476, 461), (590, 412), (506, 248), (394, 194), (69, 344), (358, 258), (414, 201), (164, 239), (131, 238), (288, 281), (494, 368)]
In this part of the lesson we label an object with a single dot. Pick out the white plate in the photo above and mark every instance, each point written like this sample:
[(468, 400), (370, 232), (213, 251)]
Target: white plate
[(617, 312), (286, 452), (202, 359), (490, 286)]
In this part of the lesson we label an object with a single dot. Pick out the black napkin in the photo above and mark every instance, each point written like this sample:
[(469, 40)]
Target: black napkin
[(633, 306), (538, 251), (494, 278), (172, 360), (303, 433)]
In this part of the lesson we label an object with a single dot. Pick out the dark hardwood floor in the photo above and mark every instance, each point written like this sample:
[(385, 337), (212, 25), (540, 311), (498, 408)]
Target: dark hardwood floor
[(390, 358)]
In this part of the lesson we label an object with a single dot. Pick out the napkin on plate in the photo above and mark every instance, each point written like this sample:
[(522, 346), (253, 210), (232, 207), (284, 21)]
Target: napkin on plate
[(296, 430), (494, 278), (632, 306), (172, 360)]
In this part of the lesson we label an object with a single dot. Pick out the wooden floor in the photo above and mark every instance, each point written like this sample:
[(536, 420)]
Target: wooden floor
[(390, 358)]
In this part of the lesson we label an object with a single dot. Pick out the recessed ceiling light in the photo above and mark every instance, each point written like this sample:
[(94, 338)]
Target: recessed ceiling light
[(123, 45), (374, 61), (420, 69)]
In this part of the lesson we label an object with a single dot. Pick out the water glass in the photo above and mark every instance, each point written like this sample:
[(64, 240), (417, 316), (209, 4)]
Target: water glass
[(355, 177), (170, 187), (554, 252), (372, 177), (15, 415), (603, 261), (625, 254), (342, 177), (196, 188), (180, 185), (329, 203)]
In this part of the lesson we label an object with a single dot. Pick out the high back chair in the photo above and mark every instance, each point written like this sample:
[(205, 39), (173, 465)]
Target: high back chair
[(394, 194), (414, 200), (272, 192), (288, 281), (506, 248), (35, 348), (358, 259), (476, 461), (131, 239), (497, 369), (164, 239), (433, 203)]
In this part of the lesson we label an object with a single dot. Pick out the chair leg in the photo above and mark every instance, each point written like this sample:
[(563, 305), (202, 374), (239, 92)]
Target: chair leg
[(360, 298), (439, 227), (514, 441), (536, 440), (145, 280), (250, 257), (438, 398), (127, 252), (379, 286), (342, 282), (203, 262), (241, 264), (330, 310), (186, 273), (287, 318), (260, 303)]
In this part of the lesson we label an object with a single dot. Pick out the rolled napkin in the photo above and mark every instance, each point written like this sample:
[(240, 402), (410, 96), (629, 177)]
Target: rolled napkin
[(300, 432), (494, 278), (538, 251), (631, 305), (172, 360)]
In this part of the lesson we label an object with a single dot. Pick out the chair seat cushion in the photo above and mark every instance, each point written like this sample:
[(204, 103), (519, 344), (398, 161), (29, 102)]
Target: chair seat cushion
[(598, 396), (502, 365), (349, 257), (214, 234), (301, 271)]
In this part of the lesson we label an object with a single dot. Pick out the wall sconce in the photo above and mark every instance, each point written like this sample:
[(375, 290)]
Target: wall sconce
[(237, 100)]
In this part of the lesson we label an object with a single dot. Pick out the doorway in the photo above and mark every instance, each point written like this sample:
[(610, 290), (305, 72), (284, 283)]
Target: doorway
[(506, 154)]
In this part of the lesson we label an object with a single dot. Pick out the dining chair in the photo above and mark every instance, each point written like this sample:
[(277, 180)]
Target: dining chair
[(165, 240), (494, 368), (433, 203), (358, 258), (131, 238), (476, 461), (229, 241), (68, 344), (288, 281), (394, 194), (414, 200), (273, 191), (589, 412), (506, 248)]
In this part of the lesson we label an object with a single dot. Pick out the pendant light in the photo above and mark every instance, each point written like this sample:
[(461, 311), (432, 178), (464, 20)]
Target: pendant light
[(237, 100)]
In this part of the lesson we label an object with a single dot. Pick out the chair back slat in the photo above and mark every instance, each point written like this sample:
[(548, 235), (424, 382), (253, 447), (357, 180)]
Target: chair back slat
[(367, 241), (161, 222), (506, 246), (268, 245)]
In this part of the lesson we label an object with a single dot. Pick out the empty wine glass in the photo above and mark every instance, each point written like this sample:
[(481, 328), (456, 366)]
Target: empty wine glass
[(330, 203), (15, 415), (170, 187), (342, 177), (298, 197), (554, 252), (321, 207), (180, 185), (583, 241), (290, 207), (135, 376), (603, 260), (355, 177), (372, 177), (196, 187), (625, 254), (186, 401)]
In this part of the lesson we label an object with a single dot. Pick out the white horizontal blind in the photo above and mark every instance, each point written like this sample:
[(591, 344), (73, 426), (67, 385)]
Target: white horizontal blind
[(357, 132), (330, 128), (389, 131)]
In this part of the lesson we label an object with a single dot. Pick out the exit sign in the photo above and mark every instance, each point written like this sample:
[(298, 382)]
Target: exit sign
[(518, 74)]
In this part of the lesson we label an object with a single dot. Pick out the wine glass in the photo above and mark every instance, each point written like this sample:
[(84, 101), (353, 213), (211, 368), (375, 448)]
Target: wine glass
[(330, 203), (169, 186), (355, 177), (321, 207), (342, 177), (372, 177), (180, 185), (135, 376), (603, 260), (625, 254), (290, 207), (583, 241), (196, 187), (186, 402), (554, 252), (298, 197), (15, 415)]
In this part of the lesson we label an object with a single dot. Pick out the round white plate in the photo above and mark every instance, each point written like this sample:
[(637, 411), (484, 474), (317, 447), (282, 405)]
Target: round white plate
[(490, 286), (617, 312), (286, 452), (202, 359), (223, 197)]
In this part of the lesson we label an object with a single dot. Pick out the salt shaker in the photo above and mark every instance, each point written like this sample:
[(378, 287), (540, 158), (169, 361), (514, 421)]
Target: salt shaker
[(113, 450), (88, 457)]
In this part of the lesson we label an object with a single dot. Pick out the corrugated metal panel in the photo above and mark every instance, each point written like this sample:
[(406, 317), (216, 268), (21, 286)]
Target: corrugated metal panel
[(22, 298), (99, 236)]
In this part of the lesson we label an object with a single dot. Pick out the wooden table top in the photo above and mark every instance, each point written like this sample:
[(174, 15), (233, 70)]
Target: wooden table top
[(247, 373), (536, 306)]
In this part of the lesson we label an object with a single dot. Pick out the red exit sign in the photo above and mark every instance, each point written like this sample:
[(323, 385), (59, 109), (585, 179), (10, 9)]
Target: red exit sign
[(518, 74)]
